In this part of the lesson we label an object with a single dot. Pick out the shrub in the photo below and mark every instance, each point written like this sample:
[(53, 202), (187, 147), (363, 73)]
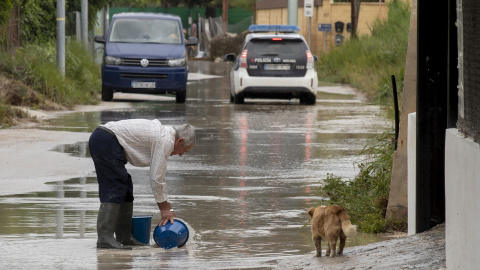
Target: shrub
[(366, 196)]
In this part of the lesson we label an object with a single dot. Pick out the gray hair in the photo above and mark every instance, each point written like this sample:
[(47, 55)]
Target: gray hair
[(187, 132)]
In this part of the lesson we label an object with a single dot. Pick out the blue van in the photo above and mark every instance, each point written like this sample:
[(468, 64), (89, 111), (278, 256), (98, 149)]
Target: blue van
[(145, 53)]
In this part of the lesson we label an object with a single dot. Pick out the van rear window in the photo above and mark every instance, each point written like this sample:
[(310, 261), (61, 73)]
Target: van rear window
[(145, 31)]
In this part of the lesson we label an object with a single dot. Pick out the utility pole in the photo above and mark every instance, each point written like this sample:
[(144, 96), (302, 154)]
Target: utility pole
[(254, 19), (225, 16), (61, 36), (292, 12), (308, 12), (85, 22), (105, 21), (353, 14), (78, 26)]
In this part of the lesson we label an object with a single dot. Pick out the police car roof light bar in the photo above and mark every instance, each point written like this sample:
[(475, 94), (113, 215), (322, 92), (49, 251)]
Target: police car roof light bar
[(264, 28)]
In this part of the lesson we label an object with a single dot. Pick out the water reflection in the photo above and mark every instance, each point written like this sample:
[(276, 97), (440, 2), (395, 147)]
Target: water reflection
[(79, 149), (66, 211), (59, 212)]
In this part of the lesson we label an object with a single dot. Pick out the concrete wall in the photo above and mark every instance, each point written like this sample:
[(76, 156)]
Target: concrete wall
[(397, 202), (329, 13), (462, 186)]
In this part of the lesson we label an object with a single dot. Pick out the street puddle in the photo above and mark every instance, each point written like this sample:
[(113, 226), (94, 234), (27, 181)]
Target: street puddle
[(79, 149)]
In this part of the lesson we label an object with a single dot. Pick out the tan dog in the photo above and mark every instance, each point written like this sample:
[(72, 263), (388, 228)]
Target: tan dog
[(329, 223)]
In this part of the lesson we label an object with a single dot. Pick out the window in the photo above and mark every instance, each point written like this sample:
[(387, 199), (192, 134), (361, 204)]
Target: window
[(284, 48), (146, 31)]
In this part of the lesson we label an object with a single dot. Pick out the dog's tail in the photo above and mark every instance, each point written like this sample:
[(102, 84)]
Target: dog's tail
[(348, 229)]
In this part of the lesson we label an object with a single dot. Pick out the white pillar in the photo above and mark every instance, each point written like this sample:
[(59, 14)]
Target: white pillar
[(412, 171)]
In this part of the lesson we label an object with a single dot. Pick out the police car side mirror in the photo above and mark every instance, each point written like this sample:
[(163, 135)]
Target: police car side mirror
[(192, 41), (315, 58), (229, 57)]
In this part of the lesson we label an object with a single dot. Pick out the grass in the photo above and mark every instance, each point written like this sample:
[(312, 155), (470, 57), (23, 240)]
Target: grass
[(9, 113), (368, 62), (35, 67)]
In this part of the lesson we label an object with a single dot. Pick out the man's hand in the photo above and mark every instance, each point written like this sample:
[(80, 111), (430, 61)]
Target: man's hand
[(167, 213)]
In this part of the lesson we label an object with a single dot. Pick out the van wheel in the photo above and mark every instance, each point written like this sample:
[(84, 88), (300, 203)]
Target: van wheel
[(239, 98), (107, 94), (181, 96)]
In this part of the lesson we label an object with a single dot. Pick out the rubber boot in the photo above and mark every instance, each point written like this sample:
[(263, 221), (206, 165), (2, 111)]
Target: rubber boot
[(123, 231), (106, 222)]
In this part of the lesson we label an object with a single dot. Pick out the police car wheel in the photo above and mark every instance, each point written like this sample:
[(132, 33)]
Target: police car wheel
[(308, 99), (239, 99)]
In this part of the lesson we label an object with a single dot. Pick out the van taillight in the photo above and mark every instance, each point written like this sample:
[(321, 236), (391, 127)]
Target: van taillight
[(310, 61), (277, 39), (243, 59)]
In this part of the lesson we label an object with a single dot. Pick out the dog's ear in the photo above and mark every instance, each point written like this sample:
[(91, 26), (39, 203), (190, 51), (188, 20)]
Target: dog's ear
[(311, 210)]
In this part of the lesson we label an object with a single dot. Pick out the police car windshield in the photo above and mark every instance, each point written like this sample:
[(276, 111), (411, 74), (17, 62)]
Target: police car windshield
[(131, 30), (285, 47)]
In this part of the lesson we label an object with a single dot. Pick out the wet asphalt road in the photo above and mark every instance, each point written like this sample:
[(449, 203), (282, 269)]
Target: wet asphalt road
[(243, 189)]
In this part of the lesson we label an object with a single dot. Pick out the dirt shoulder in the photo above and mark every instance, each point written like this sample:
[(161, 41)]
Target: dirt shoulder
[(27, 161)]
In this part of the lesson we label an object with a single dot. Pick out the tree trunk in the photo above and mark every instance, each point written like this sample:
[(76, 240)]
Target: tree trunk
[(14, 30)]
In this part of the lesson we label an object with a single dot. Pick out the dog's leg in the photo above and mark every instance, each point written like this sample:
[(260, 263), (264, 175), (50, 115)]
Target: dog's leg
[(327, 253), (332, 243), (317, 240), (343, 239)]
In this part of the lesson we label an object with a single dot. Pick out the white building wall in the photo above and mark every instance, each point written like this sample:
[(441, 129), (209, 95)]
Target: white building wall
[(462, 198)]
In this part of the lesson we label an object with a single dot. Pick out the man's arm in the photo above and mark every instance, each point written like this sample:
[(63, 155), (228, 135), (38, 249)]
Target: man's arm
[(167, 213), (158, 168)]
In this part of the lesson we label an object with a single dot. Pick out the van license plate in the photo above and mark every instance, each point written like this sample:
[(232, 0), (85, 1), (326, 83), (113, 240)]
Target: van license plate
[(143, 84), (276, 67)]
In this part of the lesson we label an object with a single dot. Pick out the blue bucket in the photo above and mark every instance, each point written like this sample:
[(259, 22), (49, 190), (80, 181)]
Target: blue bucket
[(141, 226), (171, 235)]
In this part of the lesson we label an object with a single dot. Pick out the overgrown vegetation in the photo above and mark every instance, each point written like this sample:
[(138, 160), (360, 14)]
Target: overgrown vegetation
[(36, 67), (29, 76), (42, 86), (220, 46), (368, 63), (366, 196)]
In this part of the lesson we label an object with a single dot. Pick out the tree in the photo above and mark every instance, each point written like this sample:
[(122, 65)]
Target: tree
[(140, 3), (241, 3), (5, 9), (37, 21)]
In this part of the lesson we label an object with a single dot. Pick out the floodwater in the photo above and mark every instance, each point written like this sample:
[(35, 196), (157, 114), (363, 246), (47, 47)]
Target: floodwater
[(244, 188)]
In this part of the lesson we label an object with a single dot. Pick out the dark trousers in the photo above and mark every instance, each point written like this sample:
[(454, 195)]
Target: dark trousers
[(114, 182)]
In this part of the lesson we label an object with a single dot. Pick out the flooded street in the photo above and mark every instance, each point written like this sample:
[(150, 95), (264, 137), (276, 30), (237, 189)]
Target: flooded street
[(244, 188)]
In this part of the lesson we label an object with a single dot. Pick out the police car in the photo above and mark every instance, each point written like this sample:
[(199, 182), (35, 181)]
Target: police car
[(274, 62)]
